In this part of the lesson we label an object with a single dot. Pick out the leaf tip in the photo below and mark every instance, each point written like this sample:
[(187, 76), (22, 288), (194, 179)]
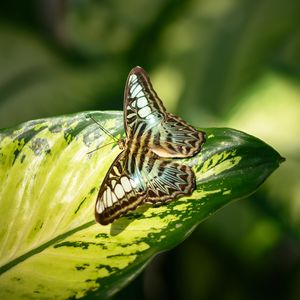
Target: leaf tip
[(281, 160)]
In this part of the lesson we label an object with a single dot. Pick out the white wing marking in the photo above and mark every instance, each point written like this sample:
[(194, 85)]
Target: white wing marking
[(114, 198), (119, 191), (141, 102), (126, 184), (135, 90), (144, 112), (109, 199)]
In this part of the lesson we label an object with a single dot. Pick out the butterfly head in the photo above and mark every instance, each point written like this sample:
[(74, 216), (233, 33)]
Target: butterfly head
[(121, 144)]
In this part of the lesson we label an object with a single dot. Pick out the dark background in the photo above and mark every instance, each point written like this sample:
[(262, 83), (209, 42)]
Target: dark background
[(229, 63)]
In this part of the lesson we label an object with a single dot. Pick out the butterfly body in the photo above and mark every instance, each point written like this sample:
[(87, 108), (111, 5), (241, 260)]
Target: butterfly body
[(144, 171)]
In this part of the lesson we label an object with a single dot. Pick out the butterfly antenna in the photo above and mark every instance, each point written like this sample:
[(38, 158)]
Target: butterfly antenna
[(99, 148), (103, 129)]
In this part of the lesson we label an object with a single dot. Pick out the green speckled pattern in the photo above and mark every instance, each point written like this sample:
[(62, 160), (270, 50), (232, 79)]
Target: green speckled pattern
[(51, 247)]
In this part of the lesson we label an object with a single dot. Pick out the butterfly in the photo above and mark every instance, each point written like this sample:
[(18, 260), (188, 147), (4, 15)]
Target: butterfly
[(144, 171)]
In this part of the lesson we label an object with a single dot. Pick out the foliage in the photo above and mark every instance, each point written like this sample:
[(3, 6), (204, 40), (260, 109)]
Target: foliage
[(214, 63), (50, 244)]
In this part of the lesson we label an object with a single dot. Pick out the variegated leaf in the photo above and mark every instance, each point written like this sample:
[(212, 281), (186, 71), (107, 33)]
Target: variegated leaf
[(51, 247)]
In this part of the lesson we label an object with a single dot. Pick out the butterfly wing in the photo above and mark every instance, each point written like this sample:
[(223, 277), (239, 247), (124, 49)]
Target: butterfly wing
[(165, 179), (176, 138), (144, 111), (141, 103), (130, 183), (120, 191)]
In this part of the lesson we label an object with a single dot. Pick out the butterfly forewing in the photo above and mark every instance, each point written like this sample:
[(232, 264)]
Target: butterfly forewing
[(170, 135), (141, 103)]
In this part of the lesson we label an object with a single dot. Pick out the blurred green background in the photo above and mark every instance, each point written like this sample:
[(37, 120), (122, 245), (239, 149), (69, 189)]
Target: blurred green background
[(229, 63)]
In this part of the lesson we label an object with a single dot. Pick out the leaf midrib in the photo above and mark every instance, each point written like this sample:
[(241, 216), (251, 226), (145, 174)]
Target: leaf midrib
[(44, 246)]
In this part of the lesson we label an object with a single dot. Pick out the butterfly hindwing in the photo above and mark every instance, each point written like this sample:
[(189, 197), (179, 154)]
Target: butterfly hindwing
[(175, 138), (166, 179), (119, 192), (156, 180)]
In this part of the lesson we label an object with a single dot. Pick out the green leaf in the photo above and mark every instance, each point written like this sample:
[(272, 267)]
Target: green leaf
[(51, 246)]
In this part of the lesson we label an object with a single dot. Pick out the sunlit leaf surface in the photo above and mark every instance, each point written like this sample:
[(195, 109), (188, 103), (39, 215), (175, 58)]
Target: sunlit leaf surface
[(51, 247)]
